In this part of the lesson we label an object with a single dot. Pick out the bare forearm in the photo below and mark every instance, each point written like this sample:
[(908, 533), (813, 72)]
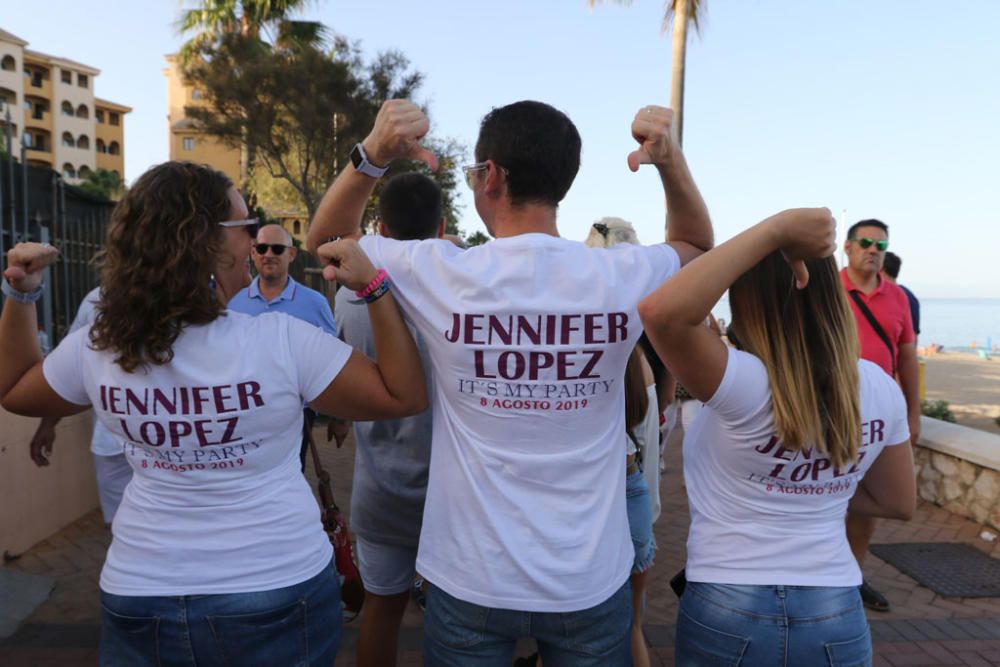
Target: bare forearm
[(341, 209), (909, 381), (19, 350), (396, 355), (687, 215)]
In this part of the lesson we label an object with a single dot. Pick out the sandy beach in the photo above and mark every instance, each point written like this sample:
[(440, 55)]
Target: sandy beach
[(970, 385)]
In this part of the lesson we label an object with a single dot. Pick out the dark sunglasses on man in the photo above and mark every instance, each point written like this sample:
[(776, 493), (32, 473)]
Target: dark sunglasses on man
[(276, 248), (881, 245)]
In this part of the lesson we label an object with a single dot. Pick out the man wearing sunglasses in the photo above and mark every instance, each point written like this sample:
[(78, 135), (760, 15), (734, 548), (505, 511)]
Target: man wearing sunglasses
[(885, 330), (273, 290)]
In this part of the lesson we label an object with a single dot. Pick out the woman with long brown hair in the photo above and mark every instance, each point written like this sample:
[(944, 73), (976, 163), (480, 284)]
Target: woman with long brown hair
[(795, 429), (218, 555)]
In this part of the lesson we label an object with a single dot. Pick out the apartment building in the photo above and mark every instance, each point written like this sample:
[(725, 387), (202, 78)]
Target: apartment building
[(55, 114)]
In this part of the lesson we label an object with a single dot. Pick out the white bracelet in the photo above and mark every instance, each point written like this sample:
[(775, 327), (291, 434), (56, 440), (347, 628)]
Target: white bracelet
[(21, 297)]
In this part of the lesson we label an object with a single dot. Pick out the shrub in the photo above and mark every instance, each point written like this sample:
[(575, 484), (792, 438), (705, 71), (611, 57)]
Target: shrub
[(937, 410)]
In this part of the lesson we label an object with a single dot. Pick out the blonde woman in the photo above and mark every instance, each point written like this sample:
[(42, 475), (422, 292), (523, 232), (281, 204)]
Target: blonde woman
[(795, 430)]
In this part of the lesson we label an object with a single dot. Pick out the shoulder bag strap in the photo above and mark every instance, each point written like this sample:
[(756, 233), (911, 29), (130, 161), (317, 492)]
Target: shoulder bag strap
[(876, 326)]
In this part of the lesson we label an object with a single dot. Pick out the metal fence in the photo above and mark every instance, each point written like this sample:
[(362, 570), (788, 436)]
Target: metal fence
[(36, 205)]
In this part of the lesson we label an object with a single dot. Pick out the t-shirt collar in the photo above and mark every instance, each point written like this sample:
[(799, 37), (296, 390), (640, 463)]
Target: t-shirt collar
[(851, 287)]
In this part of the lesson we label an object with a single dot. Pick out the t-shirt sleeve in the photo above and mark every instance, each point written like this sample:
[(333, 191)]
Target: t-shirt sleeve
[(744, 394), (317, 356), (897, 426), (87, 312), (663, 262), (340, 313), (63, 368)]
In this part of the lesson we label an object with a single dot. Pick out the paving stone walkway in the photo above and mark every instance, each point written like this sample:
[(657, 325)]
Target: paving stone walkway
[(922, 629)]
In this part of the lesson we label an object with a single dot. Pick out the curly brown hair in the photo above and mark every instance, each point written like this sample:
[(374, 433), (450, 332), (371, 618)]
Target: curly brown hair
[(156, 267)]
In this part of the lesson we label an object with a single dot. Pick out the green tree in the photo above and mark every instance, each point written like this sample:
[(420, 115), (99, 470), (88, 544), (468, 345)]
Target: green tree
[(104, 184), (679, 13), (476, 238)]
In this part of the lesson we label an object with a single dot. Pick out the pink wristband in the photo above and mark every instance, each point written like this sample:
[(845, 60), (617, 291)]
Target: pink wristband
[(373, 285)]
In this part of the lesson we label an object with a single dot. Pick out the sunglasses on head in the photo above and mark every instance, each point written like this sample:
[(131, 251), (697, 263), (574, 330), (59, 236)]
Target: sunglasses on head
[(250, 224), (865, 243), (276, 248)]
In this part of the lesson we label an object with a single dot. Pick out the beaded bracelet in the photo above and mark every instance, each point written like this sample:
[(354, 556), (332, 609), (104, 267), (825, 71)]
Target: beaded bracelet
[(379, 278), (378, 292)]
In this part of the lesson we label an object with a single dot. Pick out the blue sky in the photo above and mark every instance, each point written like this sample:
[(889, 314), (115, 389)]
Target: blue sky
[(876, 109)]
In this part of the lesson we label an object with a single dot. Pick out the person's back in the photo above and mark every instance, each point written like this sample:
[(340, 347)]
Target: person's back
[(528, 336), (795, 429)]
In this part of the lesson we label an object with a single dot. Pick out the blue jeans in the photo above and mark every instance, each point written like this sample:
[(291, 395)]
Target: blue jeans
[(640, 521), (298, 625), (772, 626), (462, 634)]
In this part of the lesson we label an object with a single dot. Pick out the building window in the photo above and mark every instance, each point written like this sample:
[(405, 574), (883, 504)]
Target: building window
[(101, 147), (26, 105), (8, 64), (84, 172), (83, 142), (67, 109), (114, 118), (28, 139), (40, 109), (82, 111), (67, 140), (99, 115), (195, 94), (297, 226), (114, 148), (69, 171), (82, 80), (66, 76), (8, 96), (188, 144)]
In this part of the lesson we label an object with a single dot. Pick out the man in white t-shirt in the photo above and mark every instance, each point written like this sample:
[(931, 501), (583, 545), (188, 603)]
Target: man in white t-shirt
[(111, 467), (525, 530)]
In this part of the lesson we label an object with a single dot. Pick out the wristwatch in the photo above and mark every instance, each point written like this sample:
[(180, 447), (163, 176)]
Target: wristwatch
[(361, 164)]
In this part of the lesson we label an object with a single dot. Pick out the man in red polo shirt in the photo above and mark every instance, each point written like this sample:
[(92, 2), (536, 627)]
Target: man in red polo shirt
[(891, 345)]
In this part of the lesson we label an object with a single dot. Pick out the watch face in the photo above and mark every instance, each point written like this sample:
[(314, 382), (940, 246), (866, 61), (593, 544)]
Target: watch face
[(356, 158)]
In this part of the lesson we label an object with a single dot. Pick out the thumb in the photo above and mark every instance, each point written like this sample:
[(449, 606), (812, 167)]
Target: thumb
[(800, 272), (424, 155), (14, 273), (330, 273), (637, 157)]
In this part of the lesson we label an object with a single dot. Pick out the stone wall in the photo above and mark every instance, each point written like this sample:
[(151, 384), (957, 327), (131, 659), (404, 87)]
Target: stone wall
[(958, 468)]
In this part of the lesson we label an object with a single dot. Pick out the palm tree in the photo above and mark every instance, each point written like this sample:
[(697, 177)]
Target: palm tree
[(680, 13), (215, 20)]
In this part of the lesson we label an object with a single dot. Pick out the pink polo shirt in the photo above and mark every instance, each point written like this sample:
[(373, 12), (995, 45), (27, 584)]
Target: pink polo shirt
[(891, 308)]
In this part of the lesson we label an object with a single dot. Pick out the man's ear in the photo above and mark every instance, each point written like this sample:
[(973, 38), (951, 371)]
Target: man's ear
[(294, 252), (383, 230), (496, 179), (441, 226)]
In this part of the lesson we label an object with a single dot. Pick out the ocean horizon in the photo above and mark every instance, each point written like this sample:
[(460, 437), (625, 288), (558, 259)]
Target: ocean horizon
[(957, 324)]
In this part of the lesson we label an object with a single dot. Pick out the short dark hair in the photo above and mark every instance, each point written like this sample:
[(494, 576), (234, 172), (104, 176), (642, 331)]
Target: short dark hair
[(891, 265), (871, 222), (410, 206), (539, 147)]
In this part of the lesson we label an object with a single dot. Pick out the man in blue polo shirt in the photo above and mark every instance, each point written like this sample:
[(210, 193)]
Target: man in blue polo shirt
[(273, 290)]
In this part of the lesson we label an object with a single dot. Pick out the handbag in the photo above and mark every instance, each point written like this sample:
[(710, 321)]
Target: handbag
[(352, 590)]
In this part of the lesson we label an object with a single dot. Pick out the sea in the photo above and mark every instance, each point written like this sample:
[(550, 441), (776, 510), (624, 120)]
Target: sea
[(960, 325)]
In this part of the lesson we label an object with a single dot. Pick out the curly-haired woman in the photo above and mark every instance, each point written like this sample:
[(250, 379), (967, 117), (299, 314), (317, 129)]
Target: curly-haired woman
[(218, 554)]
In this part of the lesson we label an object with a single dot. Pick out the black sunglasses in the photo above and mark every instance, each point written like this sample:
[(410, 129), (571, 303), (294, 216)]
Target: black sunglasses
[(276, 248), (865, 242)]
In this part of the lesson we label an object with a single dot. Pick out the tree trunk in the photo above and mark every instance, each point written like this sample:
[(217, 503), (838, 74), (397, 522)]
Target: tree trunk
[(681, 16)]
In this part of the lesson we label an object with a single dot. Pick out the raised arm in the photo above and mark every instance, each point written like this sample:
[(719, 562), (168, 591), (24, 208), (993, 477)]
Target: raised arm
[(674, 315), (689, 228), (23, 388), (399, 127), (392, 385)]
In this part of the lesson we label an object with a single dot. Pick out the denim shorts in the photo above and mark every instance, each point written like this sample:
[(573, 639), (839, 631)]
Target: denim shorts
[(386, 569), (640, 521), (772, 626), (298, 625), (463, 634)]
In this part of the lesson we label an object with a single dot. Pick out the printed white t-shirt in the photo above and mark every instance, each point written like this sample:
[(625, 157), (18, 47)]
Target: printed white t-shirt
[(102, 442), (528, 337), (765, 515), (217, 502)]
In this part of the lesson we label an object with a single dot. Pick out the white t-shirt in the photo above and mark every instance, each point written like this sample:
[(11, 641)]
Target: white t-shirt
[(765, 515), (528, 337), (217, 503), (102, 442)]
